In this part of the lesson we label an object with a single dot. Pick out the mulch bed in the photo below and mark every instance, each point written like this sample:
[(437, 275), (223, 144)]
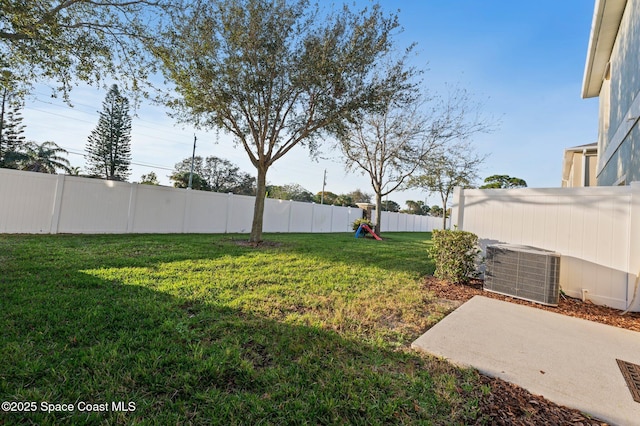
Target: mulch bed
[(508, 404), (567, 306)]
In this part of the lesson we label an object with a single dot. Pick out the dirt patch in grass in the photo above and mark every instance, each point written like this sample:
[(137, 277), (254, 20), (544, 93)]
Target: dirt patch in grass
[(260, 244), (508, 404)]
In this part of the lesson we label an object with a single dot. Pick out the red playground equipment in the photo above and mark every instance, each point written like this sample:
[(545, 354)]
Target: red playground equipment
[(365, 228)]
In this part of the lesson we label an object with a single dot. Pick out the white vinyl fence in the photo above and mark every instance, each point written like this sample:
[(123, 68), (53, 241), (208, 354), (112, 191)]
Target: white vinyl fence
[(36, 203), (595, 229)]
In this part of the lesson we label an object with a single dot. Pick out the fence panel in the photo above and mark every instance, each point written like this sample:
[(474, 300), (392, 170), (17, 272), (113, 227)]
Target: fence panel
[(240, 214), (94, 206), (277, 215), (42, 203), (322, 216), (26, 202), (206, 212), (301, 217), (343, 217), (159, 209)]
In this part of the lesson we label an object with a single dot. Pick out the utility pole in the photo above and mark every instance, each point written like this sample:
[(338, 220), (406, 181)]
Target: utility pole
[(193, 157), (324, 182)]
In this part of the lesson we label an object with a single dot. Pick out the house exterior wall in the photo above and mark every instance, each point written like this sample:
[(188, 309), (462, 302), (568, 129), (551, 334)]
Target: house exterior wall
[(619, 139), (592, 165), (575, 171), (580, 168)]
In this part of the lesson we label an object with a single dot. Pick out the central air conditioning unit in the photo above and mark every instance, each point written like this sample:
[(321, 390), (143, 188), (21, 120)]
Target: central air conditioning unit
[(524, 272)]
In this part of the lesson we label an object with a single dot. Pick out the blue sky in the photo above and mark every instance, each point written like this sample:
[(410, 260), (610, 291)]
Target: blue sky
[(523, 60)]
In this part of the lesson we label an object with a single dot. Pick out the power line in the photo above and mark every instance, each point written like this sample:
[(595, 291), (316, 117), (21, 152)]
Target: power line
[(59, 115), (91, 122), (92, 111), (156, 166), (290, 169)]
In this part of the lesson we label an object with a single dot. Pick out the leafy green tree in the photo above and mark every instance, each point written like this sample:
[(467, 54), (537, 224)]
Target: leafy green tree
[(503, 181), (292, 191), (109, 144), (327, 198), (149, 179), (359, 196), (11, 128), (214, 174), (344, 200), (44, 158), (274, 74), (436, 211), (181, 180), (182, 170), (390, 206), (77, 40), (417, 207)]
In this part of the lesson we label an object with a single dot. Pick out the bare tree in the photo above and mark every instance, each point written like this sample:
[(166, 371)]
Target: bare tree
[(390, 144), (454, 165)]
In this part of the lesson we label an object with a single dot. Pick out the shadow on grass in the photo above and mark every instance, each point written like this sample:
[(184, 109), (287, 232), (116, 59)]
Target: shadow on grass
[(90, 340)]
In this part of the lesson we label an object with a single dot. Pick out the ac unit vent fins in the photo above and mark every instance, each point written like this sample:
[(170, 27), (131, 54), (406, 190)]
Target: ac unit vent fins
[(524, 272)]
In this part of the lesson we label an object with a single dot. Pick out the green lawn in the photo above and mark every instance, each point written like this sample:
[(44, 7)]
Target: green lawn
[(314, 329)]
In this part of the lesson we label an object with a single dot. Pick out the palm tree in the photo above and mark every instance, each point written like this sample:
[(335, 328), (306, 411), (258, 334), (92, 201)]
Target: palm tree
[(75, 171), (44, 158)]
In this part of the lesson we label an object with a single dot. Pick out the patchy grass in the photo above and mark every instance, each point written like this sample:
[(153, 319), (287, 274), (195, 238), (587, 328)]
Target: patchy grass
[(198, 329)]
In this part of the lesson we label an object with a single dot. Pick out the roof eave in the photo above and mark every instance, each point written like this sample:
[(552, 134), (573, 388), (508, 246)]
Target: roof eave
[(607, 16)]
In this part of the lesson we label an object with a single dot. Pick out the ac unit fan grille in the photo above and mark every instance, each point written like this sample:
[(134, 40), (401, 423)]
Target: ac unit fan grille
[(523, 272)]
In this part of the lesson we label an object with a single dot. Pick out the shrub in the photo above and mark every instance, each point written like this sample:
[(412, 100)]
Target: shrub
[(358, 222), (455, 254)]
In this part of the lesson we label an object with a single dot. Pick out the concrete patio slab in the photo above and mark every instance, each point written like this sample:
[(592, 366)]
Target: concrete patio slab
[(567, 360)]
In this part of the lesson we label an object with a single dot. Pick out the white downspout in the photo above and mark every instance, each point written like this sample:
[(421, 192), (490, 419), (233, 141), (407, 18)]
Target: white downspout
[(584, 167)]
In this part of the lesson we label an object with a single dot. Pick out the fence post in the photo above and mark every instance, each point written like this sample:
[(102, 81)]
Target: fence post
[(634, 248), (228, 215), (187, 211), (290, 215), (331, 220), (313, 213), (57, 205), (457, 209), (131, 214)]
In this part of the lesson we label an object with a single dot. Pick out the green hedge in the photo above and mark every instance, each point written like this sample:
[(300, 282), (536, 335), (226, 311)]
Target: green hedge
[(357, 223), (455, 254)]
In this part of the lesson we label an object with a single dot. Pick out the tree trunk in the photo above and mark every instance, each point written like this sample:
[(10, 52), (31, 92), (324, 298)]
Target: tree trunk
[(4, 100), (258, 209), (378, 213), (444, 212)]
